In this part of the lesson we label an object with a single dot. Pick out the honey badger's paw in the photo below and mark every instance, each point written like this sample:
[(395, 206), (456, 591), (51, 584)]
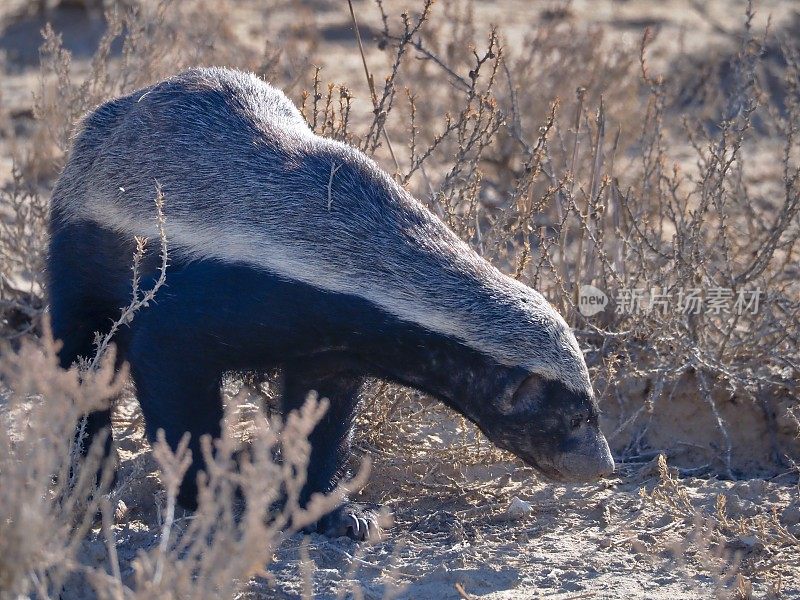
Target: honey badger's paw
[(356, 521)]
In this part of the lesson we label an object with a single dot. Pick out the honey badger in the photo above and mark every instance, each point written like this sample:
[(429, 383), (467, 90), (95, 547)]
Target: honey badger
[(292, 250)]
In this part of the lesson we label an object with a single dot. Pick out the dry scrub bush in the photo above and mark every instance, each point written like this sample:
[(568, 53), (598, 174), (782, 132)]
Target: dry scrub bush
[(23, 239), (248, 499), (733, 551), (47, 507), (596, 190), (229, 540), (602, 193), (44, 511)]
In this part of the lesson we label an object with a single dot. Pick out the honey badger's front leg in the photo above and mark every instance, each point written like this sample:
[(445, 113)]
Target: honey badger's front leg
[(330, 442)]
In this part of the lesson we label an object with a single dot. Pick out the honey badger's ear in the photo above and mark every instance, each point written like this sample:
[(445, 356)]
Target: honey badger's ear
[(529, 393)]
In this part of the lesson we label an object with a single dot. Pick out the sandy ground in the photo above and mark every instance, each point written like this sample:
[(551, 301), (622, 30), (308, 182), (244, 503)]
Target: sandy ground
[(595, 541), (605, 540)]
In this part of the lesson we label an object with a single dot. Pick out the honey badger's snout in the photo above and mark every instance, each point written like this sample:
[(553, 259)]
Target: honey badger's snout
[(583, 457), (588, 457)]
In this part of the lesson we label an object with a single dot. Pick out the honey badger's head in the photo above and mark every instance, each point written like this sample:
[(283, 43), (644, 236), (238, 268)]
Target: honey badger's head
[(550, 427), (540, 404)]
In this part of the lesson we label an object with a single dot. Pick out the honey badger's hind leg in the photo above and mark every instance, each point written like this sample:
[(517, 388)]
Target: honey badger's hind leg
[(330, 442)]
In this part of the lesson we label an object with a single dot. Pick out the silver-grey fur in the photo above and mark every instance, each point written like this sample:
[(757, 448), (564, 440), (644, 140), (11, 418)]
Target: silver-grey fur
[(253, 184)]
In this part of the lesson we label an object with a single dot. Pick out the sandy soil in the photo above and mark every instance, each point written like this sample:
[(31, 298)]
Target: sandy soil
[(494, 529), (454, 527)]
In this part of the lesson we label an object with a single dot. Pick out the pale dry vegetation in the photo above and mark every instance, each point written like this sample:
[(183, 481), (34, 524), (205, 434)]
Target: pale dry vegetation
[(564, 156)]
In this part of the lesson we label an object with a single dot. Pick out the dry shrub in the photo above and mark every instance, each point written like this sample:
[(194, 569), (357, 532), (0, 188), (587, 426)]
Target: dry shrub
[(23, 239), (45, 512), (229, 540), (47, 507), (600, 193), (598, 190), (733, 551)]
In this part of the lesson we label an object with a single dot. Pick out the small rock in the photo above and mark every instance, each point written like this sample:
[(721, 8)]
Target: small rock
[(748, 540), (121, 511), (518, 509), (791, 514), (739, 507), (786, 419), (751, 490), (603, 512), (748, 543), (758, 488)]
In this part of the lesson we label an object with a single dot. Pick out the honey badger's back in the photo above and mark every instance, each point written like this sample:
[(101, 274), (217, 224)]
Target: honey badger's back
[(246, 181)]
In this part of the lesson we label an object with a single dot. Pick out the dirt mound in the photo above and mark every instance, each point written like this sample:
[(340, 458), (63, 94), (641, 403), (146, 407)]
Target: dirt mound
[(723, 434)]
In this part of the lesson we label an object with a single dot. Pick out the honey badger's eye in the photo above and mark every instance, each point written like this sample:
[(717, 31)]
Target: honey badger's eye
[(577, 421)]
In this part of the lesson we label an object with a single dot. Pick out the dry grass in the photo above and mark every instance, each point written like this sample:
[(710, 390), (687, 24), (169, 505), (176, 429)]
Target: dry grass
[(564, 158), (248, 501)]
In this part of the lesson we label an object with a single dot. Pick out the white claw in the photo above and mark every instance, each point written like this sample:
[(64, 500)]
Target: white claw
[(357, 526), (370, 529)]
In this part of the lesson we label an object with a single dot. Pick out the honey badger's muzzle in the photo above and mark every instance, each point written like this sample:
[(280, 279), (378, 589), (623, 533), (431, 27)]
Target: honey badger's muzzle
[(587, 458), (582, 455)]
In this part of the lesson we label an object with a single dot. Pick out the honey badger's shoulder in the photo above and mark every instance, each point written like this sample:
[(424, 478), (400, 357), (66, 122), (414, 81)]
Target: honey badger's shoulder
[(208, 99), (207, 105), (205, 98), (218, 129)]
